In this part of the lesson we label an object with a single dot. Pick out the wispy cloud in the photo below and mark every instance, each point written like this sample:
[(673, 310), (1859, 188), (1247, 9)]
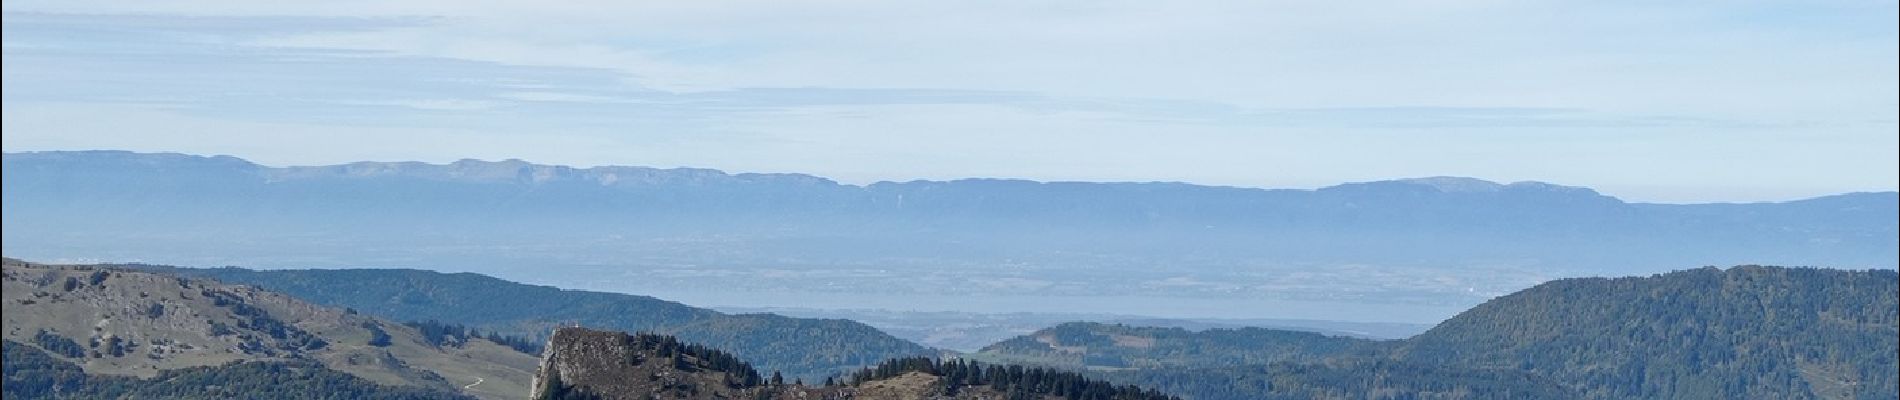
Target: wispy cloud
[(1209, 91), (218, 63)]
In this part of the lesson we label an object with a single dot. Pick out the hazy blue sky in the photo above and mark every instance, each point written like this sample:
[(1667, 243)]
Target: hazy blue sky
[(1657, 101)]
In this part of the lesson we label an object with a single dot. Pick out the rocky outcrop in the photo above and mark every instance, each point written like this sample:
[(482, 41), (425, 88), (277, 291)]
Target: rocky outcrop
[(598, 365), (585, 363)]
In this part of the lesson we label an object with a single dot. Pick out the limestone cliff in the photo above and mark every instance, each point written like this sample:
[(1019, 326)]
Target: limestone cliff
[(581, 363)]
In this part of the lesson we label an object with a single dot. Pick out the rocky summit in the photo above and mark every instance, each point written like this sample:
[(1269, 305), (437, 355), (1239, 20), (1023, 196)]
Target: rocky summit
[(581, 363)]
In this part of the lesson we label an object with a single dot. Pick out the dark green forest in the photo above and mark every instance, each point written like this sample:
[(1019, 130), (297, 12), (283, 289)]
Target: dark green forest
[(1014, 381), (438, 334), (1742, 332), (1365, 379), (1709, 333)]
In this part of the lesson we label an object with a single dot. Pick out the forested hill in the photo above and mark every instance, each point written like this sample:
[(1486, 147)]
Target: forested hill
[(1743, 332), (1115, 346), (806, 348), (1747, 332)]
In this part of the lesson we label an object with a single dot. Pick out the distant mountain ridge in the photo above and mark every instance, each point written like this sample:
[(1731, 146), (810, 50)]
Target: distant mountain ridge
[(750, 239), (524, 172), (95, 196), (520, 171)]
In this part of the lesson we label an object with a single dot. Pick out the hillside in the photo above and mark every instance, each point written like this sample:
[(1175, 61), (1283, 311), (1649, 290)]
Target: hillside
[(582, 363), (1104, 346), (1258, 364), (1743, 332), (807, 348), (31, 373), (1344, 379), (118, 322)]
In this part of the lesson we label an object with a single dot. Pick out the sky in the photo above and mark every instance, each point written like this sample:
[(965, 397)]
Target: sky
[(1687, 101)]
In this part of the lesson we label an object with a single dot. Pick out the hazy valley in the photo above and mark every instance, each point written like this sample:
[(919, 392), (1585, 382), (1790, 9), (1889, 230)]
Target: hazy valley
[(1702, 333), (1405, 251)]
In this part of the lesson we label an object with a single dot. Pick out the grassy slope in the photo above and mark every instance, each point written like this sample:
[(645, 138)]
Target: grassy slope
[(808, 348), (202, 323)]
